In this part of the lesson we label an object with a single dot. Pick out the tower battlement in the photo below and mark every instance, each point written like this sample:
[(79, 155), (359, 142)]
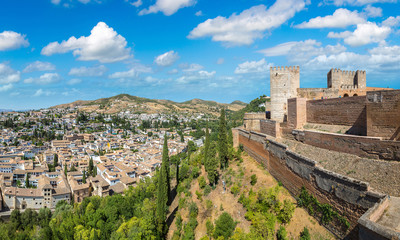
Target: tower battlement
[(283, 69), (338, 78)]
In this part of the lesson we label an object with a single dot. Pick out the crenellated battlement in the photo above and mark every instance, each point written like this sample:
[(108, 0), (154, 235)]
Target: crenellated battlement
[(283, 69), (344, 79)]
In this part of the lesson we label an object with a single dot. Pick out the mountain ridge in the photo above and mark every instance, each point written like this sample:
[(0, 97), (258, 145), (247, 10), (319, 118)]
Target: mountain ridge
[(127, 102)]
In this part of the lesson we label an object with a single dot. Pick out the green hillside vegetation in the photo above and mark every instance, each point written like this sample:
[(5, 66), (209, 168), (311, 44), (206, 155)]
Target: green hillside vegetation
[(253, 106)]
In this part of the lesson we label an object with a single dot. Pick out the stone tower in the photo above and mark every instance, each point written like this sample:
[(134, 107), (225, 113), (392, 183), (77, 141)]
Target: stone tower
[(338, 79), (284, 84)]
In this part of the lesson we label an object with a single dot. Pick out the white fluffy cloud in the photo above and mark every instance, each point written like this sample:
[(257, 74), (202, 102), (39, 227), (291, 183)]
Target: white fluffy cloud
[(356, 2), (4, 88), (41, 92), (301, 51), (96, 71), (46, 78), (103, 44), (364, 34), (136, 3), (252, 67), (74, 81), (39, 66), (166, 59), (192, 67), (391, 21), (193, 77), (373, 11), (12, 40), (339, 19), (168, 7), (8, 75), (134, 72), (249, 25)]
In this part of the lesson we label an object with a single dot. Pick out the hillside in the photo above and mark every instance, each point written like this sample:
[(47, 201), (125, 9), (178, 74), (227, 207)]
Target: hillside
[(134, 104)]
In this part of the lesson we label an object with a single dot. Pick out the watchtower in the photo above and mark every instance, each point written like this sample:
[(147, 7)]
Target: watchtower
[(284, 82), (338, 79)]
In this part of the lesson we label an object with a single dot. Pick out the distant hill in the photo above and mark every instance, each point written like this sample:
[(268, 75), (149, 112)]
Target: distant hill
[(6, 110), (134, 104)]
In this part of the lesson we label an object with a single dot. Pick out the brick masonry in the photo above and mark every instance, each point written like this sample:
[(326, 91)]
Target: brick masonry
[(270, 127), (350, 111), (297, 112), (383, 114)]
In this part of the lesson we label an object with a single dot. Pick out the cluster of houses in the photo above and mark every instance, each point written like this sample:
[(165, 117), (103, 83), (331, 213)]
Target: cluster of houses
[(77, 166)]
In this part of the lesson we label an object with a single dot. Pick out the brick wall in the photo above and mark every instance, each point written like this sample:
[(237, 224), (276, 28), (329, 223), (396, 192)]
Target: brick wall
[(297, 112), (270, 127), (383, 114), (349, 111)]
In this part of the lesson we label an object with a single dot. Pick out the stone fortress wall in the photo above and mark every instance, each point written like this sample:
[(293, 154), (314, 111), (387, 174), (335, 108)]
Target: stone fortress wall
[(349, 197), (372, 117)]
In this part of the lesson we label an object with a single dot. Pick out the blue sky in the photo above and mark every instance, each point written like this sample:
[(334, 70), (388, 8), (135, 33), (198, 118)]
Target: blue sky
[(59, 51)]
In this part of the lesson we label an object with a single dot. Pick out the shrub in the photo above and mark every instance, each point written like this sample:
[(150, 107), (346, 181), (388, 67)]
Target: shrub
[(286, 213), (281, 234), (195, 172), (199, 195), (202, 182), (305, 234), (235, 189), (253, 180), (207, 190), (193, 210), (224, 226), (210, 227)]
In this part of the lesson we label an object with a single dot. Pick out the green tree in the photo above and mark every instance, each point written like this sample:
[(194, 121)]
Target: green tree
[(65, 169), (162, 199), (27, 185), (224, 226), (165, 161), (206, 148), (305, 234), (90, 166), (84, 177), (281, 234), (55, 160), (223, 141)]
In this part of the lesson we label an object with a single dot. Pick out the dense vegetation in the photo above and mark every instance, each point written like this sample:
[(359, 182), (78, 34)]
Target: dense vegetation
[(256, 105)]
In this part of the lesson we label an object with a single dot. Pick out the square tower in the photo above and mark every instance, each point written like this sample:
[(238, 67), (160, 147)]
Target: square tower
[(284, 82)]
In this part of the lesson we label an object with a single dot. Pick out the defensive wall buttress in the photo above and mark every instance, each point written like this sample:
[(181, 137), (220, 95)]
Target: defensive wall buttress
[(371, 119)]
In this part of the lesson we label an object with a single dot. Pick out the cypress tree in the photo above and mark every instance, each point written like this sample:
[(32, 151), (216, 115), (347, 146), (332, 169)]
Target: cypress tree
[(162, 198), (222, 141), (65, 169), (55, 160), (165, 161), (84, 177), (206, 148), (27, 181), (91, 166)]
